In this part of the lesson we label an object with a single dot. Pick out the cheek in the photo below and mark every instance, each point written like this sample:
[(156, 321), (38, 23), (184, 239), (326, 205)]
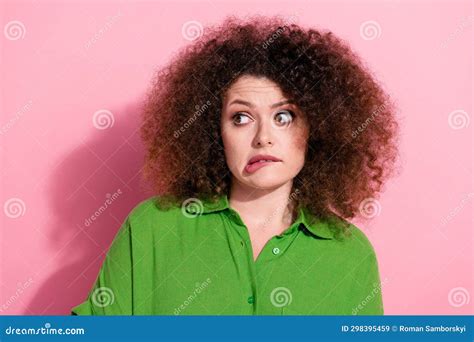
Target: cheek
[(231, 146), (299, 140), (298, 149), (300, 143), (226, 134)]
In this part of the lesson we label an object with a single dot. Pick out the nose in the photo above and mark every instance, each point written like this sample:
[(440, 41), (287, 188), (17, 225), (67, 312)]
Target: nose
[(263, 136)]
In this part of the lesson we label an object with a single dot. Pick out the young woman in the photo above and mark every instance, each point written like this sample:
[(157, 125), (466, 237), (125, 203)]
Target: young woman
[(262, 140)]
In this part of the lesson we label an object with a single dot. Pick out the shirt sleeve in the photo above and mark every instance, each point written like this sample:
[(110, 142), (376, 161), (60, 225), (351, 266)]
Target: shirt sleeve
[(111, 293), (367, 295)]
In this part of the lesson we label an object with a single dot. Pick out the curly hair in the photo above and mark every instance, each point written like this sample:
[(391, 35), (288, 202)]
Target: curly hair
[(353, 132)]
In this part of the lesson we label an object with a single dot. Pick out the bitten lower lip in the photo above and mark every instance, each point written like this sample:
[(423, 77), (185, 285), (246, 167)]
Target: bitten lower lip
[(251, 168)]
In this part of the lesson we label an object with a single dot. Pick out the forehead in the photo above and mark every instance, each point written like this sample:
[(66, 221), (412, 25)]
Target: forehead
[(258, 90)]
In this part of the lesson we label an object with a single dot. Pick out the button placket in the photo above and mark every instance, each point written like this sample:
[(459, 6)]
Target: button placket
[(244, 241)]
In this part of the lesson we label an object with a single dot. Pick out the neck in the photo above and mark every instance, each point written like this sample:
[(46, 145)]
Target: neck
[(263, 209)]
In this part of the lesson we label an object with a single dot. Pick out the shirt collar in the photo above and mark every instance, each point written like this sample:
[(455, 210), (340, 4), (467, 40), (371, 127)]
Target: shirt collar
[(315, 226)]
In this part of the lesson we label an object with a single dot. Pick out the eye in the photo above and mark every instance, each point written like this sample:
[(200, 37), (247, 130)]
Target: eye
[(284, 117), (239, 119)]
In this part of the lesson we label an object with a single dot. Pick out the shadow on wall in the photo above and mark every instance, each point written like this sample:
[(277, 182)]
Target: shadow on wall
[(91, 193)]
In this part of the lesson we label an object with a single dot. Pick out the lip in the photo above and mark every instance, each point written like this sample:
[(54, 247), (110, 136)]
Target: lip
[(262, 156), (254, 164)]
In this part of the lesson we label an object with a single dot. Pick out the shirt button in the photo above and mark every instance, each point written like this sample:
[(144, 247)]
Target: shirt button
[(276, 250), (250, 300), (241, 243)]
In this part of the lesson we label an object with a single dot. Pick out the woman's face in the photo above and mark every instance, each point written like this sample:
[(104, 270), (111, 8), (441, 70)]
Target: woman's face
[(257, 119)]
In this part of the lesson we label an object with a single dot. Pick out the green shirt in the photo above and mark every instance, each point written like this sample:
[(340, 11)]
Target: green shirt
[(200, 262)]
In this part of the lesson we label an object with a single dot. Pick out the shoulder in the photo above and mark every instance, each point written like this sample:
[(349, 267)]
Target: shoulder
[(148, 221), (355, 251), (149, 208), (358, 237), (143, 208), (353, 240), (150, 214)]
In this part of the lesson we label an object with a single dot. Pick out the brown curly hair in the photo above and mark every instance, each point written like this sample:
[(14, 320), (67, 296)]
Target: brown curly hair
[(352, 144)]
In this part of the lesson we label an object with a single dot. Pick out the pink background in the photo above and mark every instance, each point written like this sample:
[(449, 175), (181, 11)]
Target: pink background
[(61, 63)]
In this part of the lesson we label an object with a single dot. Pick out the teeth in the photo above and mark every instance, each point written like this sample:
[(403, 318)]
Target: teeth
[(262, 160)]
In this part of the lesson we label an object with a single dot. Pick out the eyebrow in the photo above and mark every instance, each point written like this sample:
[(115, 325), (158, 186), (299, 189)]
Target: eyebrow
[(248, 104)]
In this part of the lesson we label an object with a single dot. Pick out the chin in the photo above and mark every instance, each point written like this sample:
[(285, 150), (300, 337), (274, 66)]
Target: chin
[(266, 182)]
